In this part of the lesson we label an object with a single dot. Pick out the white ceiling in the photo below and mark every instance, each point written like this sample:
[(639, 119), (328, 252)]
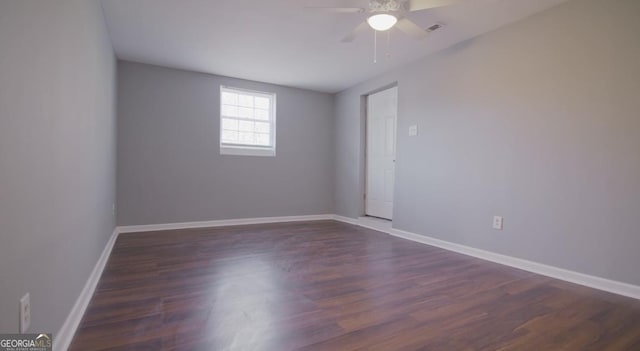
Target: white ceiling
[(281, 42)]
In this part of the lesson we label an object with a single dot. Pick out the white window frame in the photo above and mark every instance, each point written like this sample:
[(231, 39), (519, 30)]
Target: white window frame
[(244, 149)]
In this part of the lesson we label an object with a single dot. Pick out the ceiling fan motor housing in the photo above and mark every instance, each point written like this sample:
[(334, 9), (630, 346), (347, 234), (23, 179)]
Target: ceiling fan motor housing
[(384, 5)]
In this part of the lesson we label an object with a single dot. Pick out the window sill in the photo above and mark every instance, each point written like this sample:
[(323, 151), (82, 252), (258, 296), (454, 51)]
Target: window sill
[(246, 151)]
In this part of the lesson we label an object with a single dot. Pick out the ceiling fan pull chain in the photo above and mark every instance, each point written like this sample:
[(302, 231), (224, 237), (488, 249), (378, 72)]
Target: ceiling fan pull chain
[(375, 46), (388, 53)]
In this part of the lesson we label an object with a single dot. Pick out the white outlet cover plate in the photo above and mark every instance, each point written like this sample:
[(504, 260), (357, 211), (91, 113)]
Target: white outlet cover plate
[(413, 130), (25, 313), (497, 222)]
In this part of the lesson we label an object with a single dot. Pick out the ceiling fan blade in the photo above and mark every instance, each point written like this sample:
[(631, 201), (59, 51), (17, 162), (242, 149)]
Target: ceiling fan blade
[(338, 9), (417, 5), (411, 29), (351, 36)]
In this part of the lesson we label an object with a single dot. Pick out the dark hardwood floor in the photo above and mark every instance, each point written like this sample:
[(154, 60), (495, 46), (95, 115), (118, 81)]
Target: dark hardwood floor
[(331, 286)]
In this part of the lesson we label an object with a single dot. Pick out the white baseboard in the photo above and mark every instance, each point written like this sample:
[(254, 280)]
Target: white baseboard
[(63, 338), (221, 223), (591, 281)]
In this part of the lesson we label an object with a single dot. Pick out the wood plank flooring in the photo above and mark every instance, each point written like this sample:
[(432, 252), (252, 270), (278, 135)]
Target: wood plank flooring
[(331, 286)]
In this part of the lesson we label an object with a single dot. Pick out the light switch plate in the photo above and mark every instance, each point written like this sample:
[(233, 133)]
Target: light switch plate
[(413, 130)]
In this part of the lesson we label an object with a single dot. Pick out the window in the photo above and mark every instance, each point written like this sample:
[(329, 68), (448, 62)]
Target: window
[(247, 122)]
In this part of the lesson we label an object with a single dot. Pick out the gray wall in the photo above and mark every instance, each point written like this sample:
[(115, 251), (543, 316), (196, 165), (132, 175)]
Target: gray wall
[(169, 163), (57, 154), (538, 122)]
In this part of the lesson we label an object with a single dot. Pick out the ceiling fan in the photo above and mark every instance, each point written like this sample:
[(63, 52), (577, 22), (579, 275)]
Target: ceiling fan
[(386, 14)]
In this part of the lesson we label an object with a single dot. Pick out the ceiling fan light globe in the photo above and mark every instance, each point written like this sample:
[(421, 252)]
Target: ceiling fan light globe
[(382, 21)]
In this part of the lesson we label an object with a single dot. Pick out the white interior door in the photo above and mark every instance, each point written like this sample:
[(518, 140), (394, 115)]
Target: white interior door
[(382, 115)]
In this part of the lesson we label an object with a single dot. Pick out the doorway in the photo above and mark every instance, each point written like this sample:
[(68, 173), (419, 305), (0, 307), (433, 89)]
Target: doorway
[(381, 122)]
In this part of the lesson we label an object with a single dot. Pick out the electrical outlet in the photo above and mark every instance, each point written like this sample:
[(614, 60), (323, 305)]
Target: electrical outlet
[(497, 222), (25, 313), (413, 130)]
